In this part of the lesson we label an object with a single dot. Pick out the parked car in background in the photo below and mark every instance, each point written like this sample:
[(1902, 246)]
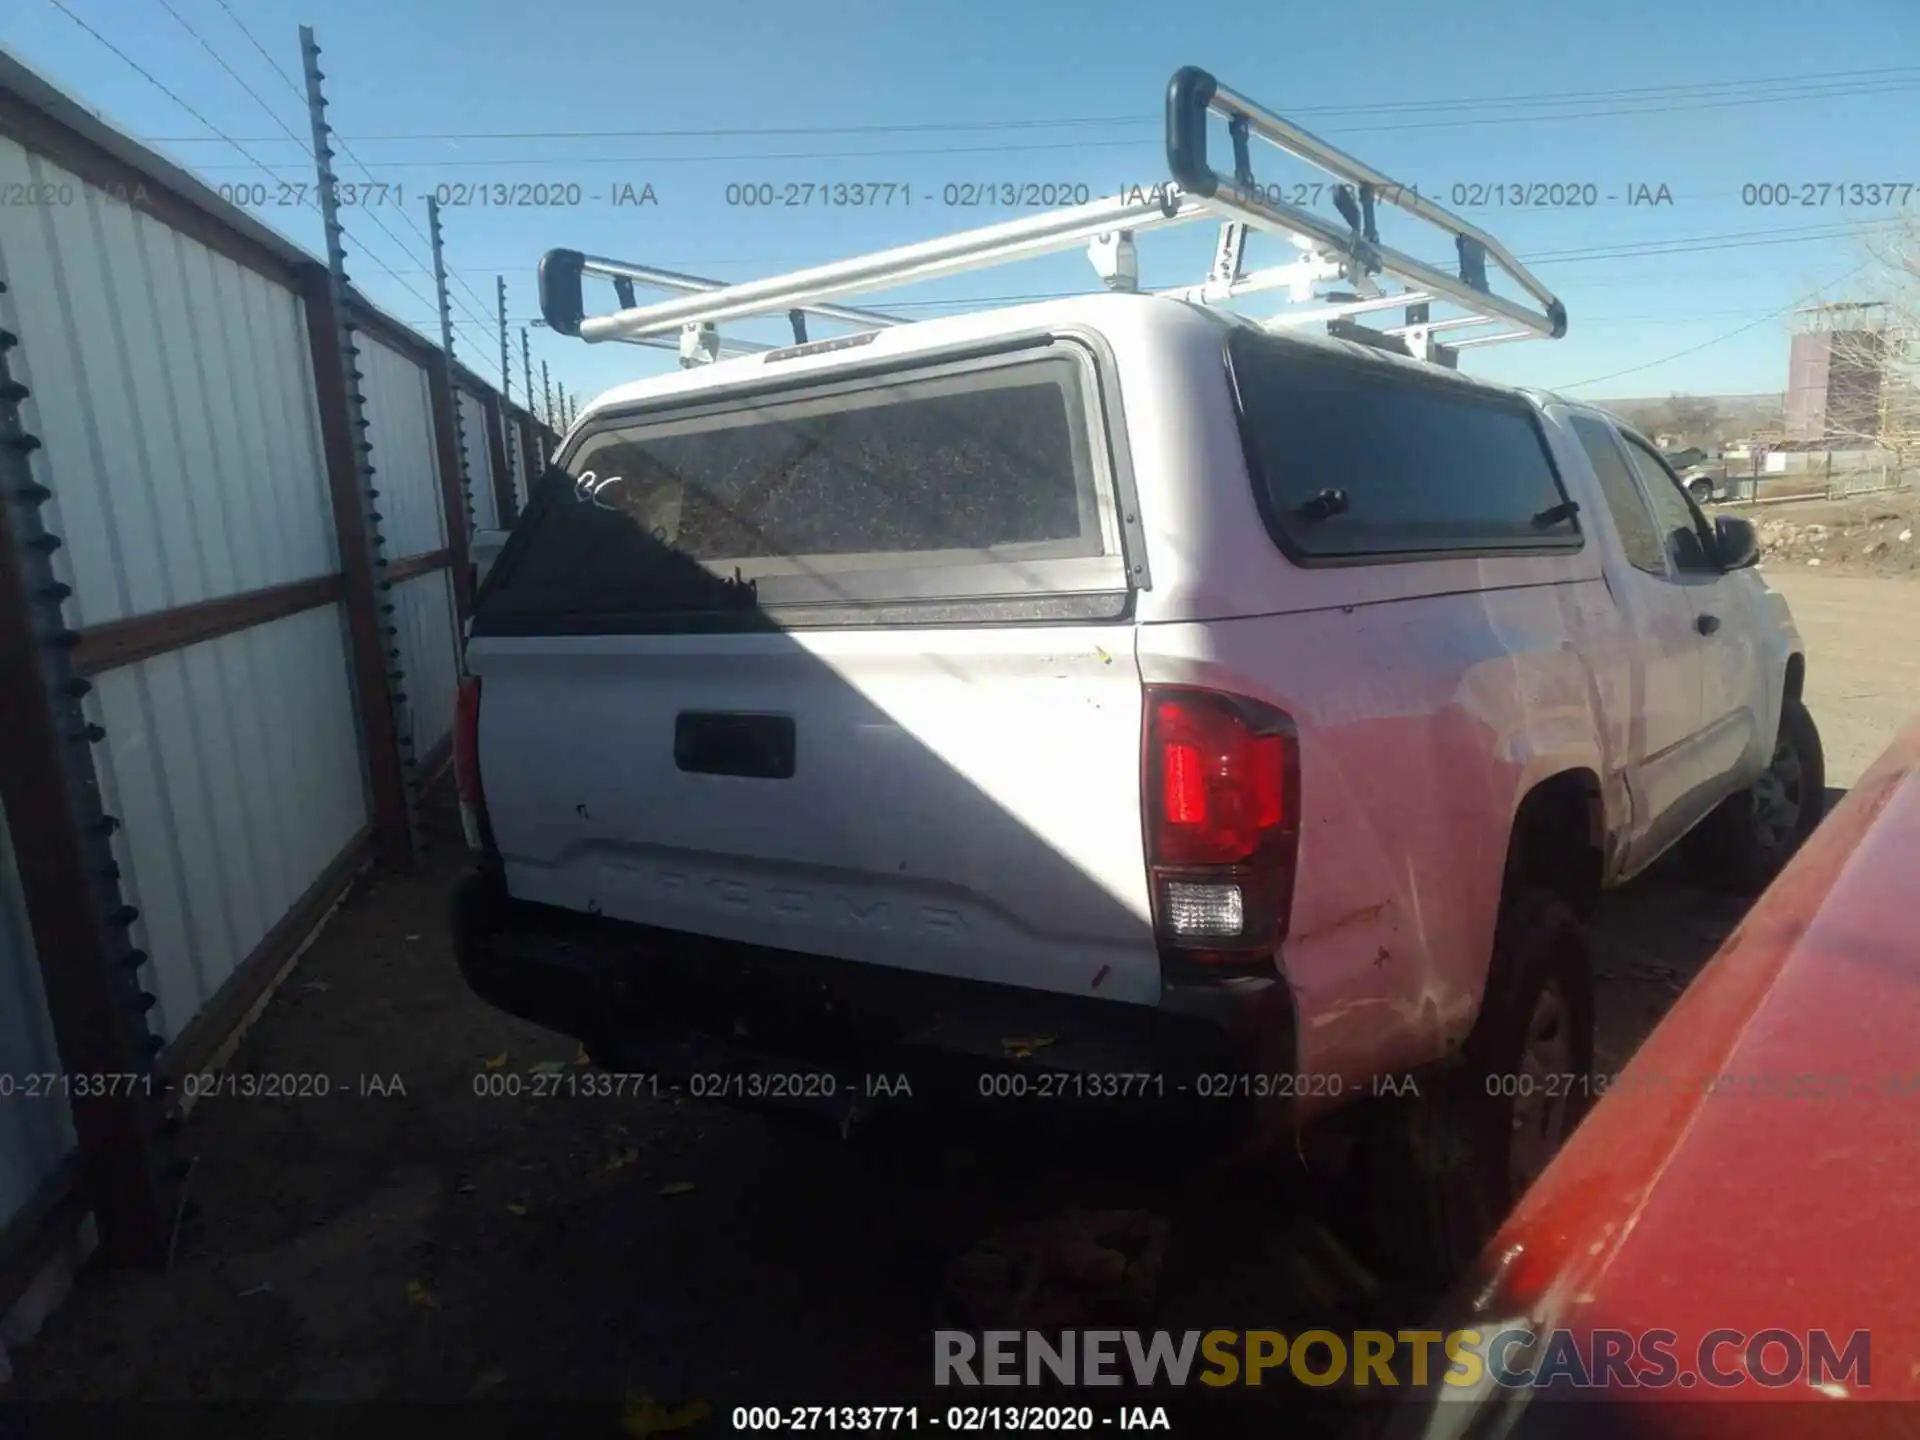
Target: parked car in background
[(1703, 474)]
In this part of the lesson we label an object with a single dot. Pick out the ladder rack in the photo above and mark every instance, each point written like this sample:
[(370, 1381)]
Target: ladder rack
[(1343, 250)]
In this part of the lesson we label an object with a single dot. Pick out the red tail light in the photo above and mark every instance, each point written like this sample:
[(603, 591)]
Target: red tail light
[(1223, 822), (466, 761)]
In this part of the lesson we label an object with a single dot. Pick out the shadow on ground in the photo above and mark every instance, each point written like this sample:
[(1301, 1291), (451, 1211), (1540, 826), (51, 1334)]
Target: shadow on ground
[(412, 1236), (1649, 941)]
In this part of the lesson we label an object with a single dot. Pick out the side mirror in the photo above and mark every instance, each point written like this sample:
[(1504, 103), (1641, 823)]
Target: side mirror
[(1736, 543)]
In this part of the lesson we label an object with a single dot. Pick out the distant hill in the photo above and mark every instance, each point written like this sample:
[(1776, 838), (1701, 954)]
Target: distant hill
[(1734, 416), (1774, 398)]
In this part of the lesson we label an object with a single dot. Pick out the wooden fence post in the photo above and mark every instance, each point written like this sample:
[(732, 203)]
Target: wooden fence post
[(367, 630), (79, 919)]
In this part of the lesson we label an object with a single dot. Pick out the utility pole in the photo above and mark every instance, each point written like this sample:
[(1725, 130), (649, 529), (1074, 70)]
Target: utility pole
[(546, 390)]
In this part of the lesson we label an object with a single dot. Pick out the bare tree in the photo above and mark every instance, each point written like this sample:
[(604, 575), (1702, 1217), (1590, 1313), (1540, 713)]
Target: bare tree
[(1873, 377), (1696, 419)]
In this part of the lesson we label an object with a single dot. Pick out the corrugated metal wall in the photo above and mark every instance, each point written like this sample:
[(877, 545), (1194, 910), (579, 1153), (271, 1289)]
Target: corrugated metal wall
[(172, 391), (428, 640), (516, 459), (473, 434), (236, 766), (399, 409), (35, 1132), (407, 472)]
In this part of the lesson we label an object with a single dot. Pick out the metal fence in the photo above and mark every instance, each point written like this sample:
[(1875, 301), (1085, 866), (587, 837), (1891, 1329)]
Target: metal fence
[(227, 670), (478, 457), (517, 442), (1811, 474), (1884, 473)]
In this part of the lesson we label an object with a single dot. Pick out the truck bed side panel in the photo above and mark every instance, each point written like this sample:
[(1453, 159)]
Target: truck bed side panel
[(1421, 724)]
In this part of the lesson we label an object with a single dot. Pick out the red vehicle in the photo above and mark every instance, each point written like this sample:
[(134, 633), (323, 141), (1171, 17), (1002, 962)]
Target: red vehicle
[(1749, 1189)]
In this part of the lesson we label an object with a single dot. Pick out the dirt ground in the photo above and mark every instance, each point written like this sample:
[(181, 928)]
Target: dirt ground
[(1867, 535), (440, 1245), (1863, 660), (641, 1255), (1863, 687)]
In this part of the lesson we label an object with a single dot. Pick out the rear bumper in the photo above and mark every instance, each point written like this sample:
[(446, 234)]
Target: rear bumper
[(739, 1021)]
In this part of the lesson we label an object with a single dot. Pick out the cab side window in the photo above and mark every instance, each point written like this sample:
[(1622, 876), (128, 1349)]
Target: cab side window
[(1683, 529), (1355, 461), (1631, 518)]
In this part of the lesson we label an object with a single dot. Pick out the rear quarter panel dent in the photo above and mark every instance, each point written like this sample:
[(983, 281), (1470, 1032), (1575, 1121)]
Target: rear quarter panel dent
[(1422, 724)]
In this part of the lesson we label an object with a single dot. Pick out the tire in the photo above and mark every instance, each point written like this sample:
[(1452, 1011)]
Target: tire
[(1702, 492), (1748, 840), (1439, 1173)]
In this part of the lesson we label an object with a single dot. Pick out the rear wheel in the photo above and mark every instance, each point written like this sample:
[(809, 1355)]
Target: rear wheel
[(1748, 840), (1438, 1173), (1701, 490)]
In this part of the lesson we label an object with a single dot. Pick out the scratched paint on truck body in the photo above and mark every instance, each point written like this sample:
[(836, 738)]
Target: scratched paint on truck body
[(1414, 755)]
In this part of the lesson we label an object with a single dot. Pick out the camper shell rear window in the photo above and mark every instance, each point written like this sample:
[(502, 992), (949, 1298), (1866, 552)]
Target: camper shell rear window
[(967, 483)]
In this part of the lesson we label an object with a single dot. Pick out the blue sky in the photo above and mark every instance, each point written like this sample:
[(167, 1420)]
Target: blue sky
[(1704, 97)]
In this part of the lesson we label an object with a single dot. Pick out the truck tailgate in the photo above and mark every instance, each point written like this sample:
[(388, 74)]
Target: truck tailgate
[(960, 802)]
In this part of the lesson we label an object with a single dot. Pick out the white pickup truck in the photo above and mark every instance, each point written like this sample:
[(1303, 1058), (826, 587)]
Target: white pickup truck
[(1119, 691)]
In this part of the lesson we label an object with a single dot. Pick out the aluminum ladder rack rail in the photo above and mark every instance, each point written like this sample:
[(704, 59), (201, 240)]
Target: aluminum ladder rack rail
[(1344, 250)]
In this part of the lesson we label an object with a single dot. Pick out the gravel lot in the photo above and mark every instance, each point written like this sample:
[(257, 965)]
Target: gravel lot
[(1863, 686), (439, 1245), (1863, 661)]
